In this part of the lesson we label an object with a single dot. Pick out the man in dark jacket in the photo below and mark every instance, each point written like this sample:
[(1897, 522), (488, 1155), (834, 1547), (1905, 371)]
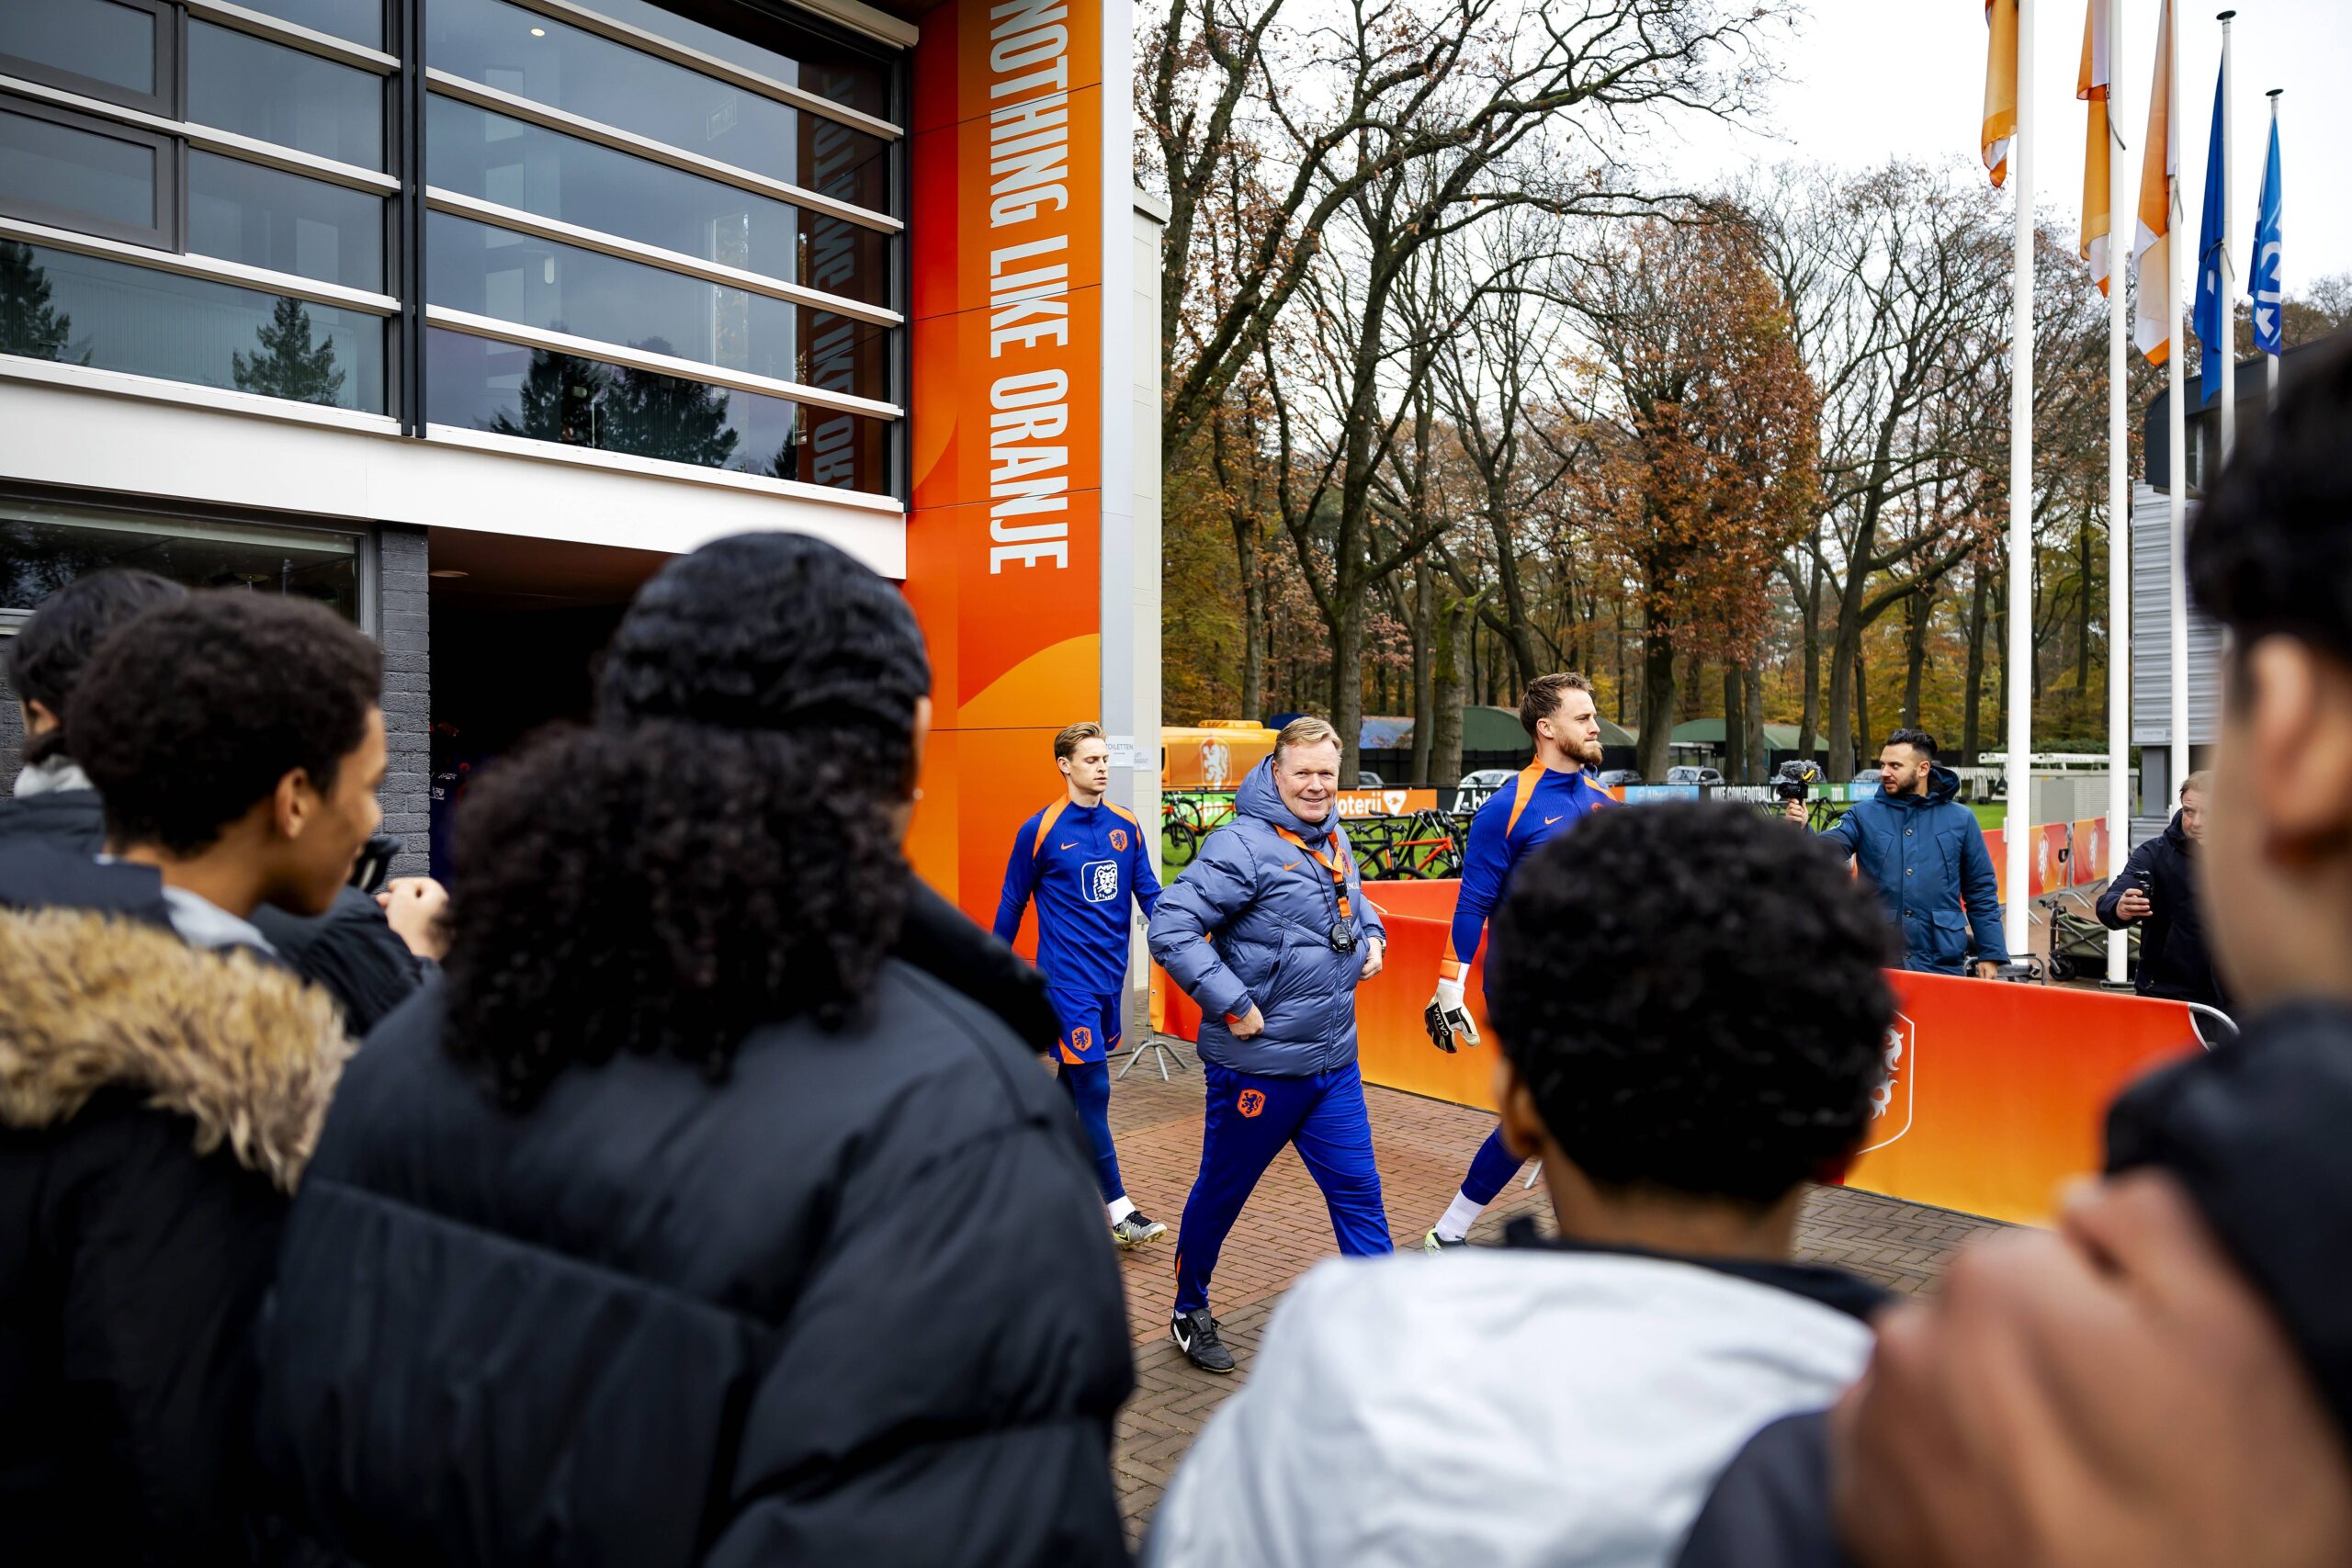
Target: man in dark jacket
[(368, 954), (2167, 1379), (1924, 853), (165, 1076), (2157, 888), (1270, 932)]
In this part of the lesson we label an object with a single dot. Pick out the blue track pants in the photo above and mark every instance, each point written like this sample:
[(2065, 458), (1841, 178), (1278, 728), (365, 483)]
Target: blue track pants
[(1249, 1119), (1491, 1169), (1090, 1033)]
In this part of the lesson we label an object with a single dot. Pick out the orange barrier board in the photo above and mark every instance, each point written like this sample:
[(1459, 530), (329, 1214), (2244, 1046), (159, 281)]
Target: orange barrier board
[(1996, 1100)]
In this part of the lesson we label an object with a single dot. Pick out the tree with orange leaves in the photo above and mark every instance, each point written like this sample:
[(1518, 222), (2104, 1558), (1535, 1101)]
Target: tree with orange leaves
[(1705, 425)]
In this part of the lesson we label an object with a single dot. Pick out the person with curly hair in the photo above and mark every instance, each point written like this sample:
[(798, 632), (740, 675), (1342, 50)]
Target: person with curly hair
[(162, 1076), (368, 952), (682, 1222), (1692, 1023)]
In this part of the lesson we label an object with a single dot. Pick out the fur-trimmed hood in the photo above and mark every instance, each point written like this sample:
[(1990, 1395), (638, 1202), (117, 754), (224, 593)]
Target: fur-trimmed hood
[(245, 1050)]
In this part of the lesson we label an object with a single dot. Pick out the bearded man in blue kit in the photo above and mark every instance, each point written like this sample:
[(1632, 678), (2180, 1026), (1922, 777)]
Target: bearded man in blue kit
[(1551, 795)]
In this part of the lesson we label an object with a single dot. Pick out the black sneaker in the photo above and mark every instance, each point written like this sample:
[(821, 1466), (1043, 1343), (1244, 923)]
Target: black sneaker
[(1195, 1335)]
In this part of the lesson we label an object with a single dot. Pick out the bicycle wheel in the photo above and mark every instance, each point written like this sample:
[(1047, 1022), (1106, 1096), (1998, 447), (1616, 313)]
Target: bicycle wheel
[(1178, 844)]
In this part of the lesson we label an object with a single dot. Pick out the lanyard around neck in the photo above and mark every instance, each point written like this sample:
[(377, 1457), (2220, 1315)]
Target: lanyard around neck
[(1339, 871)]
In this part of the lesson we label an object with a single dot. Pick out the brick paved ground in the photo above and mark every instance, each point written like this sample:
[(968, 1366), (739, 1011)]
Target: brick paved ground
[(1423, 1147)]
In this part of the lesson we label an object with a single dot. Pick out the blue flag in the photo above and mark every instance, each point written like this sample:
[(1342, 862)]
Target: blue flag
[(2262, 278), (2212, 317)]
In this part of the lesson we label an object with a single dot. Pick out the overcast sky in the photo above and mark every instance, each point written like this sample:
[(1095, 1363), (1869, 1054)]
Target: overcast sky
[(1873, 79)]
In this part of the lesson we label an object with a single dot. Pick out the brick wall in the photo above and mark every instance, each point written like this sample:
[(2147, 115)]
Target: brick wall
[(404, 625), (12, 727)]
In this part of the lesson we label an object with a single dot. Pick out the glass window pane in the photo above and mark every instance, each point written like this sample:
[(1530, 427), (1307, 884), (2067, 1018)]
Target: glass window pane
[(494, 158), (94, 39), (492, 272), (242, 212), (82, 310), (479, 385), (275, 93), (829, 70), (66, 171), (45, 546), (361, 21), (539, 58)]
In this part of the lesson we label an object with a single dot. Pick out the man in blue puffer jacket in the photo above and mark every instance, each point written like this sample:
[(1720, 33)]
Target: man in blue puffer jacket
[(1924, 853), (1268, 930)]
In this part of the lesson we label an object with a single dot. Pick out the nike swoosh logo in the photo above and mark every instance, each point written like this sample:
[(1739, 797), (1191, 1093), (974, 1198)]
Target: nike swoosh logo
[(1292, 866), (1071, 845), (1547, 822)]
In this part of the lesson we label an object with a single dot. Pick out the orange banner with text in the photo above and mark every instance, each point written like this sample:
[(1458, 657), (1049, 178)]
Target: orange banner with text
[(1996, 1098), (1004, 416)]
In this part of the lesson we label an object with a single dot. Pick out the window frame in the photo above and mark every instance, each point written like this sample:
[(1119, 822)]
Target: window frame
[(163, 101), (169, 177)]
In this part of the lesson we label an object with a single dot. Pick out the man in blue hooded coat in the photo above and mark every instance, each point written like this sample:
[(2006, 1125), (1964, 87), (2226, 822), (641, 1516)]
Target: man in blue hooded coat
[(1924, 853), (1268, 929)]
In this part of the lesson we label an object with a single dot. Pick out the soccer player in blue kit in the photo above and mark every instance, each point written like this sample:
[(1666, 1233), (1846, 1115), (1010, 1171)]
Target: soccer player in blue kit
[(1551, 796), (1085, 859)]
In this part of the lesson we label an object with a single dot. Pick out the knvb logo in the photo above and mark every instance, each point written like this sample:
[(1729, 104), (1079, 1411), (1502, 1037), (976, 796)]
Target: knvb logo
[(1119, 839), (1890, 1105), (1100, 879), (1251, 1103)]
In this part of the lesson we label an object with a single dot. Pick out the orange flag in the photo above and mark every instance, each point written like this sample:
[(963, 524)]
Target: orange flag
[(2000, 85), (2092, 84), (2153, 310)]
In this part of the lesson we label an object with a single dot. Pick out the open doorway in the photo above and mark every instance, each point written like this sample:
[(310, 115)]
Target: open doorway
[(518, 628)]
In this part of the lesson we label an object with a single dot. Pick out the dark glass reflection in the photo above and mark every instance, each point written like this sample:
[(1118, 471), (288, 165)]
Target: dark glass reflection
[(64, 172), (539, 58), (361, 21), (274, 94), (480, 385), (493, 158), (817, 65), (244, 212), (79, 309), (535, 283), (94, 39), (42, 548)]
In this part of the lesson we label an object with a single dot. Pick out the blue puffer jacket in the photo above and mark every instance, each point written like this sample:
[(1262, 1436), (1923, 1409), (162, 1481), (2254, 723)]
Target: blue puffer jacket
[(1926, 855), (1250, 922)]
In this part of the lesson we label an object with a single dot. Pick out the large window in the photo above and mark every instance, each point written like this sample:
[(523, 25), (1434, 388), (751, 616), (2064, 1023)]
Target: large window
[(197, 202), (684, 218), (653, 237), (46, 545)]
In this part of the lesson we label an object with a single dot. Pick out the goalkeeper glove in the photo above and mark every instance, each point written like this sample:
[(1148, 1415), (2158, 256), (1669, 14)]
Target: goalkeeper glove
[(1448, 1018)]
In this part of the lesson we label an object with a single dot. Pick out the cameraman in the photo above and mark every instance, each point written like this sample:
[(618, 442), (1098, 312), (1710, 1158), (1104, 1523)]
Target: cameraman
[(1924, 853)]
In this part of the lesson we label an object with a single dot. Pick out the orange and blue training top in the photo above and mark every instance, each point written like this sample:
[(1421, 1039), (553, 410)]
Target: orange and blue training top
[(1083, 863), (1538, 805)]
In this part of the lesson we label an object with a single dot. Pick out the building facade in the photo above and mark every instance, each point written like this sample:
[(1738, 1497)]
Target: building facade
[(461, 316)]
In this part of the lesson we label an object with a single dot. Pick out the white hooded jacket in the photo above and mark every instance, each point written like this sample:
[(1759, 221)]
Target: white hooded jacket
[(1504, 1407)]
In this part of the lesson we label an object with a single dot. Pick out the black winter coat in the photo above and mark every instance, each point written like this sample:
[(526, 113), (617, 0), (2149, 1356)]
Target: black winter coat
[(2254, 1129), (856, 1304), (158, 1102), (350, 951), (2173, 960)]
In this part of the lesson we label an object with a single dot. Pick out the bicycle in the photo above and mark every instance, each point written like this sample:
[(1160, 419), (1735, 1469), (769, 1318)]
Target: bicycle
[(1408, 849)]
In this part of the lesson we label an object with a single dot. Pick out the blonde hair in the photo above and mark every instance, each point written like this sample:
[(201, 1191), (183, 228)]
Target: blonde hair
[(2201, 781), (1304, 730), (1065, 743)]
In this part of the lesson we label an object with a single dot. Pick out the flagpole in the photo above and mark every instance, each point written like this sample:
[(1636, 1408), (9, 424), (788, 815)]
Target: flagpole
[(2177, 431), (2119, 506), (2017, 822), (2222, 268), (2270, 361)]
